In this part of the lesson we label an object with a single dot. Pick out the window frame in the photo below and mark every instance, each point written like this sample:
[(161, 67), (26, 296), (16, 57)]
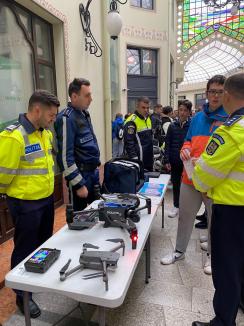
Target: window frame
[(140, 56), (141, 6), (13, 6)]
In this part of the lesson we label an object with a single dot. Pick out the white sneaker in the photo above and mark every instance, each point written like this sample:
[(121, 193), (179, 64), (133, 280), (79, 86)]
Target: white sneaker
[(174, 212), (203, 238), (207, 266), (204, 246), (172, 258)]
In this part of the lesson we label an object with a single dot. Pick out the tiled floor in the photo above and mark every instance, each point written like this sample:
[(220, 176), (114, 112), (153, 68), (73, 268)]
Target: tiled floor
[(175, 296), (7, 297)]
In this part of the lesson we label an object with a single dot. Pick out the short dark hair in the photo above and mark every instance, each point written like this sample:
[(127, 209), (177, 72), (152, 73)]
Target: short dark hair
[(167, 109), (217, 79), (43, 97), (158, 106), (143, 99), (75, 85), (187, 104), (235, 86), (118, 115)]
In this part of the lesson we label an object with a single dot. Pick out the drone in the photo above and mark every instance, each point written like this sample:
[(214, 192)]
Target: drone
[(115, 210), (98, 260)]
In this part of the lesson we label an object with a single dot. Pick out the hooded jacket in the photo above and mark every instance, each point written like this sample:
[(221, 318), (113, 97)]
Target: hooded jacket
[(202, 126)]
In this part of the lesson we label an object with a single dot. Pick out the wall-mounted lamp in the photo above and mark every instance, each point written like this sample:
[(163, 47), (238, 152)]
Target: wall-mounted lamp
[(114, 25)]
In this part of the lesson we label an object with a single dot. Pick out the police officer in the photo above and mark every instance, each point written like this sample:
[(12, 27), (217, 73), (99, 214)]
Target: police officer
[(78, 152), (27, 178), (220, 173), (138, 138)]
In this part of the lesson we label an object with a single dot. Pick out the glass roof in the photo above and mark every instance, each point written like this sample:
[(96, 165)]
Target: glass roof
[(215, 58), (199, 21)]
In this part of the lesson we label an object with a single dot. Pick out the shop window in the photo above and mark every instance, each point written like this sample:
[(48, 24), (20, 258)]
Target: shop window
[(145, 4), (26, 59), (141, 62)]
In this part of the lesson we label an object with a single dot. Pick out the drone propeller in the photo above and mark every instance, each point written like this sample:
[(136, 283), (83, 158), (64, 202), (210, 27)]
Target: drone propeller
[(118, 240), (89, 245)]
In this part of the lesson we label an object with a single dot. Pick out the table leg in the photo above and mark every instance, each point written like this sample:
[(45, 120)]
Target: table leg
[(26, 309), (148, 259), (163, 213), (101, 316)]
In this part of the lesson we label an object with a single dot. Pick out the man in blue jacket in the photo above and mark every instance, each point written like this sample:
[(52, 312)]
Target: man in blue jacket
[(78, 151), (117, 135)]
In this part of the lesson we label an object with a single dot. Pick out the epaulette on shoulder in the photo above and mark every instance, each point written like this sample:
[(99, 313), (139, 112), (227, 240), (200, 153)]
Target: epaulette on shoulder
[(67, 112), (13, 126), (230, 122)]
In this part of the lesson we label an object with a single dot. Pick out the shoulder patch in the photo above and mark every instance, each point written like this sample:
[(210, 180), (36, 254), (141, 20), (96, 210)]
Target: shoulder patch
[(13, 126), (131, 130), (219, 138), (212, 147), (233, 120), (67, 112)]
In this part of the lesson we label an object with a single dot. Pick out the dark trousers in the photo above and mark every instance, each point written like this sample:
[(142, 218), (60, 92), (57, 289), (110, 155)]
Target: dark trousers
[(176, 173), (92, 180), (227, 240), (33, 222)]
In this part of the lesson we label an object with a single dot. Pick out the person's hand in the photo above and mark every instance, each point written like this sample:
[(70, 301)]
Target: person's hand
[(82, 192), (168, 167), (185, 154), (101, 174)]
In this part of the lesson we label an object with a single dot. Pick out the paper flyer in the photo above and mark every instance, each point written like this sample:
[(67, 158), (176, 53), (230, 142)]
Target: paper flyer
[(152, 189)]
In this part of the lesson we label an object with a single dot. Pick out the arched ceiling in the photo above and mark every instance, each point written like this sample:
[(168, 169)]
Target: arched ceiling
[(214, 58)]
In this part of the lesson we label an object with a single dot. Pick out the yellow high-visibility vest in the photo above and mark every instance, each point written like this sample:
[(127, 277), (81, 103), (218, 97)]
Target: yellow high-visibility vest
[(220, 170), (26, 163)]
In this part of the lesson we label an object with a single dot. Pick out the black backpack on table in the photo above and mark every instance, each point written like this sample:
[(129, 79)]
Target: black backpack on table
[(123, 175)]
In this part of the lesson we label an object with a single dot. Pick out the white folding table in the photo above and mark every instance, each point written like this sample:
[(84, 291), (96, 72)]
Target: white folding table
[(90, 291)]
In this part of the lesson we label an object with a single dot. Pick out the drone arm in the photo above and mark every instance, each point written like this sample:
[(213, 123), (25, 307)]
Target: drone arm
[(105, 274), (64, 275)]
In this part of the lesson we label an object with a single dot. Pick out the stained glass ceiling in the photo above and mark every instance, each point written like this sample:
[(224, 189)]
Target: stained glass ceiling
[(200, 21), (203, 37), (215, 58)]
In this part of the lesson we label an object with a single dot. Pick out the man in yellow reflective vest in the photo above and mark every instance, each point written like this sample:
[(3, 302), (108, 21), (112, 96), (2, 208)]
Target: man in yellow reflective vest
[(138, 137), (27, 179), (220, 173)]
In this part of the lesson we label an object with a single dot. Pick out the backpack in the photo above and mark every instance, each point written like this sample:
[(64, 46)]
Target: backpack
[(123, 175), (119, 132)]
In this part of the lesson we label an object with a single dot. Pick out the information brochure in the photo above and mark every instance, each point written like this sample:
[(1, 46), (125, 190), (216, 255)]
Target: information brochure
[(152, 189)]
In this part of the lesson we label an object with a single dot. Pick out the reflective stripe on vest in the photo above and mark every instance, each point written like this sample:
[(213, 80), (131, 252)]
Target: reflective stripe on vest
[(23, 171)]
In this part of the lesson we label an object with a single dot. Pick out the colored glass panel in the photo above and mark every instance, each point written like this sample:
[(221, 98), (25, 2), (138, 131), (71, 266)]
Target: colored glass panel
[(200, 21)]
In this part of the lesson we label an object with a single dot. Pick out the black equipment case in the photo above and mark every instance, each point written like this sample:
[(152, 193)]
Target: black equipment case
[(123, 175)]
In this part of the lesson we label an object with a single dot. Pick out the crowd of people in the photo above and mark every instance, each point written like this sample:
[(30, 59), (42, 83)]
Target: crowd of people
[(211, 142)]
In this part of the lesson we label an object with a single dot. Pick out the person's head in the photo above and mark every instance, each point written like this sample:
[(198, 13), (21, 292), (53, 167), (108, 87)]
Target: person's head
[(158, 109), (168, 110), (215, 91), (143, 106), (184, 110), (118, 115), (80, 93), (233, 98), (42, 108), (127, 115)]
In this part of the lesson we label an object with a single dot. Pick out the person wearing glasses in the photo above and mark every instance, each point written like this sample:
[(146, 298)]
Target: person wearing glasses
[(202, 126)]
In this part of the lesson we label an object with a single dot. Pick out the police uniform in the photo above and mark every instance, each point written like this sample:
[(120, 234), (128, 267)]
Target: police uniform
[(27, 178), (138, 139), (220, 173), (78, 153)]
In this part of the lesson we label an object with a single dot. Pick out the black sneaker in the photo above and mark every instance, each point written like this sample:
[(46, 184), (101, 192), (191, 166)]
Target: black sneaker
[(34, 309), (201, 217)]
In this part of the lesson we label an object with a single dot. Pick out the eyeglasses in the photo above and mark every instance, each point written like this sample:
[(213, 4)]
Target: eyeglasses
[(215, 92)]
